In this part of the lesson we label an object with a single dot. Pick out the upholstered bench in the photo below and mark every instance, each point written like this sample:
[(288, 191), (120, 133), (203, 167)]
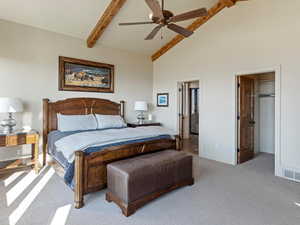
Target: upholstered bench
[(134, 182)]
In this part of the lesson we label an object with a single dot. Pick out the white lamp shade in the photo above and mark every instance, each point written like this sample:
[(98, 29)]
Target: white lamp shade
[(10, 105), (141, 106)]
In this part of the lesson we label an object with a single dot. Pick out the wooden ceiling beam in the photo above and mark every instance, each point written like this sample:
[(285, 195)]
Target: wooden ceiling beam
[(219, 6), (228, 3), (110, 12)]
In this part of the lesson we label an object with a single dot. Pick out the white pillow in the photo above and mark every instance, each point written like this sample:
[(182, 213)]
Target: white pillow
[(76, 122), (109, 121)]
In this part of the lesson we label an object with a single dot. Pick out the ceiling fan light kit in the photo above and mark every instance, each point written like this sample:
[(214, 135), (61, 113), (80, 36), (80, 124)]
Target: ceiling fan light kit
[(165, 18)]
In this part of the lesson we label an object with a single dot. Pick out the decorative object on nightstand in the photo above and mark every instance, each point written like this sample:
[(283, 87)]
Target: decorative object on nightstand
[(141, 107), (145, 124), (22, 138), (10, 106)]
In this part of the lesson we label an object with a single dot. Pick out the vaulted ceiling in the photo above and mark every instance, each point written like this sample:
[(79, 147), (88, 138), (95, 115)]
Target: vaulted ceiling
[(77, 18)]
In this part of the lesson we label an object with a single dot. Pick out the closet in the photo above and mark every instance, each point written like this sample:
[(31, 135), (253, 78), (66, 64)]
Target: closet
[(255, 115), (265, 115)]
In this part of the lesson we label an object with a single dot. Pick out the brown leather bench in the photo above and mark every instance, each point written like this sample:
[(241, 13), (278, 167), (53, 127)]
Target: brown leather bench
[(134, 182)]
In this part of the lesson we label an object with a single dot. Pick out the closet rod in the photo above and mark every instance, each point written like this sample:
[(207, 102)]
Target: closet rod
[(266, 95)]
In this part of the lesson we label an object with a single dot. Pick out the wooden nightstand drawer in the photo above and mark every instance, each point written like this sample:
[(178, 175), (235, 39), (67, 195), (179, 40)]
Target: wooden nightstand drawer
[(31, 138), (2, 140), (16, 140)]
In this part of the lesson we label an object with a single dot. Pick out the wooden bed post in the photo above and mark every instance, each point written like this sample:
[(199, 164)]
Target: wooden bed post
[(122, 110), (79, 156), (45, 128)]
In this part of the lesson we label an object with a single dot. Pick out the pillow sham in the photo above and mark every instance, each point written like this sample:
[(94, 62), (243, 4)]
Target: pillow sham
[(76, 122), (109, 121)]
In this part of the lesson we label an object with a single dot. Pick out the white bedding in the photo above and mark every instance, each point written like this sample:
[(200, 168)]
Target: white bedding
[(83, 140)]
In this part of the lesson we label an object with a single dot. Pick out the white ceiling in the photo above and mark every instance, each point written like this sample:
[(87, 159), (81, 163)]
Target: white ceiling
[(78, 17)]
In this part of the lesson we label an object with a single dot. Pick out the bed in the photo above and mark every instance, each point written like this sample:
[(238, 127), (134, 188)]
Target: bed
[(90, 168)]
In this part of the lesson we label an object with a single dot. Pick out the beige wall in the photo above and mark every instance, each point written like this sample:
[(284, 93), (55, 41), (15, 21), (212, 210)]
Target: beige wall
[(29, 70), (251, 36)]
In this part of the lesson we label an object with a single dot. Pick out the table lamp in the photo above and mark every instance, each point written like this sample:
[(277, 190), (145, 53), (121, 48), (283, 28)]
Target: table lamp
[(10, 106), (141, 107)]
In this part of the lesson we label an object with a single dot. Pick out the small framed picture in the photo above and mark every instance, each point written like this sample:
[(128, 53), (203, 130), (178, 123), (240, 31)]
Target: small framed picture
[(163, 100)]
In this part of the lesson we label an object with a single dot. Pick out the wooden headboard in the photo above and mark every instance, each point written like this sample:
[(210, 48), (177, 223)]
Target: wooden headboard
[(76, 106)]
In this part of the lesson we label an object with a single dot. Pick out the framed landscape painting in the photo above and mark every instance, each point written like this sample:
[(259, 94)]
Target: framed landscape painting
[(163, 100), (83, 75)]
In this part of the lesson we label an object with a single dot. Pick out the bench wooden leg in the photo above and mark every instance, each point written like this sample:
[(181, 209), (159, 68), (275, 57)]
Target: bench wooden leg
[(128, 211), (191, 182)]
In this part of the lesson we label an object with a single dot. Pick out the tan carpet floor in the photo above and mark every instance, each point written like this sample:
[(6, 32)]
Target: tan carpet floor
[(248, 194)]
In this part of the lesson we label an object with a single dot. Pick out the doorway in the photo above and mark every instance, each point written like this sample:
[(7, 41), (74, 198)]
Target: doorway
[(188, 116), (256, 116)]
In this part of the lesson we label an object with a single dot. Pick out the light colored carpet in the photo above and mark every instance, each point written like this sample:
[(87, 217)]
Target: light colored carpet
[(248, 194)]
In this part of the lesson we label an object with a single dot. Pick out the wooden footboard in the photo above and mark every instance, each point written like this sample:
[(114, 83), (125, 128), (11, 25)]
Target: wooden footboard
[(90, 171)]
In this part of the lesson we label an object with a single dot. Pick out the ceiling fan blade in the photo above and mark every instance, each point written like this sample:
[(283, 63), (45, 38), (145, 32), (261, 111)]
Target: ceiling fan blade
[(154, 32), (135, 23), (189, 15), (155, 7), (180, 30)]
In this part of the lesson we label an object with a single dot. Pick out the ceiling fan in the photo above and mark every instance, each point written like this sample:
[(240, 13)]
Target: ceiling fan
[(166, 18)]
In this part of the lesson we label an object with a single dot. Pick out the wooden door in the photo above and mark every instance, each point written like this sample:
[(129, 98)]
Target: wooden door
[(181, 108), (246, 123), (194, 112)]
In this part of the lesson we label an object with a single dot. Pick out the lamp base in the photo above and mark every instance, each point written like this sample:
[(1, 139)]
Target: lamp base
[(8, 124), (141, 118)]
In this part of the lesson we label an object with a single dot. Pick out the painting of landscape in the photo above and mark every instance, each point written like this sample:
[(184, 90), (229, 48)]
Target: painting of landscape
[(82, 75), (86, 76)]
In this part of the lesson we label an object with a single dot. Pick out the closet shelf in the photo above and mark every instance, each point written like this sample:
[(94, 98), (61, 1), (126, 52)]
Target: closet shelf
[(266, 95)]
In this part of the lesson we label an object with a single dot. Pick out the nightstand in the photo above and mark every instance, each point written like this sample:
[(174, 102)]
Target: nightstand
[(21, 138), (146, 124)]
